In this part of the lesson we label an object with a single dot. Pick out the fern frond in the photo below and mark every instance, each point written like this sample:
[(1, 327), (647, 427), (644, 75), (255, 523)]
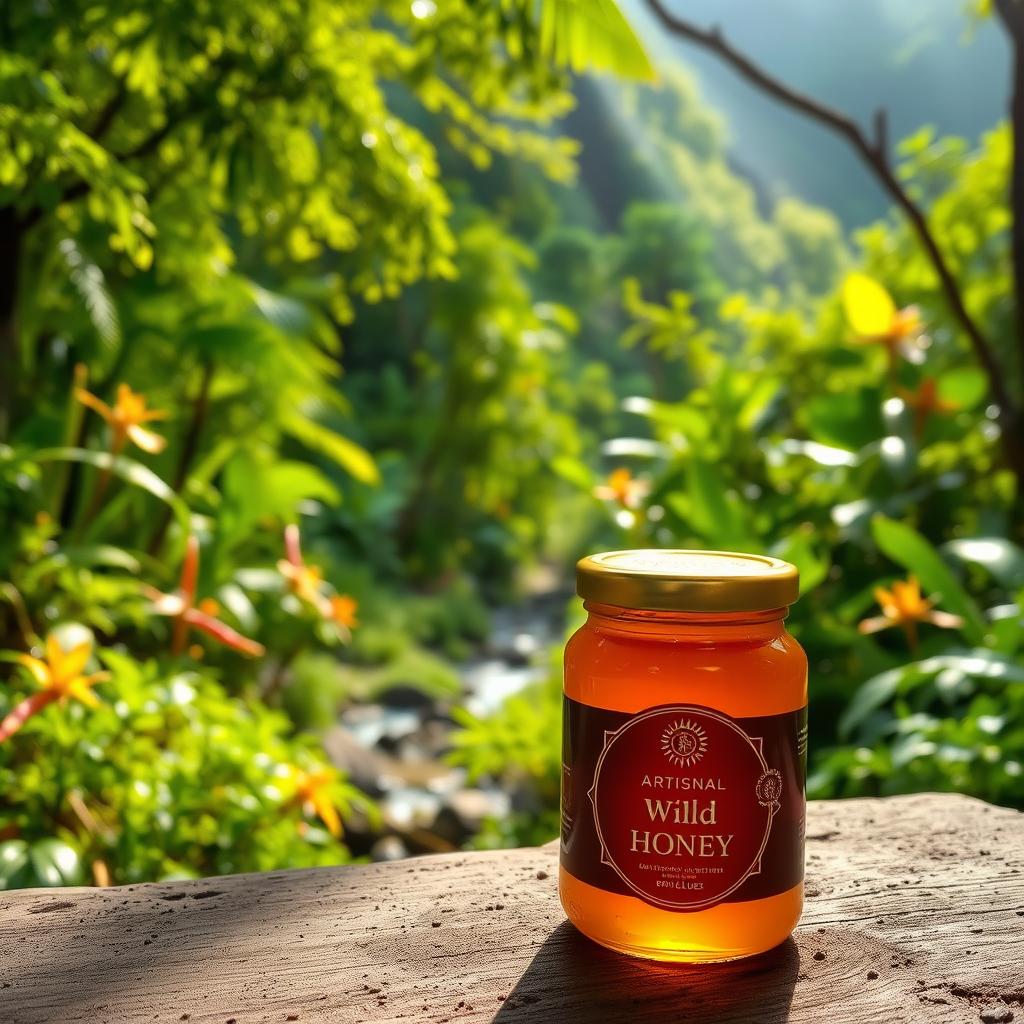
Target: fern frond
[(91, 286)]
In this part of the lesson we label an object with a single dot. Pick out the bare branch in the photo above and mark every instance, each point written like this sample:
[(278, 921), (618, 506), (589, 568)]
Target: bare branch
[(874, 157), (1011, 14), (882, 133)]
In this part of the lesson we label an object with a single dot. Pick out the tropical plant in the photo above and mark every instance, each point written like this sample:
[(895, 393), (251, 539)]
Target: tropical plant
[(857, 444), (159, 774), (996, 346), (192, 202)]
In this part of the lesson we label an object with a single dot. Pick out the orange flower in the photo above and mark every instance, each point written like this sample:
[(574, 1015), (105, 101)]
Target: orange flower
[(904, 606), (60, 676), (925, 402), (304, 581), (181, 606), (126, 418), (312, 793), (343, 611), (623, 488)]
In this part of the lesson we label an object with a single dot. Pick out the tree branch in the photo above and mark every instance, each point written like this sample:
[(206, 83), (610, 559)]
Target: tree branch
[(1011, 14), (882, 133), (874, 156), (110, 110), (83, 187)]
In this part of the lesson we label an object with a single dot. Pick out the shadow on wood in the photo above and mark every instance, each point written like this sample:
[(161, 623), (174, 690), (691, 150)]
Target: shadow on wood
[(572, 978)]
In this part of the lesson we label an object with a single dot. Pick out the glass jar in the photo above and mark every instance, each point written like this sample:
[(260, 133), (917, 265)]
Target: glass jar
[(684, 754)]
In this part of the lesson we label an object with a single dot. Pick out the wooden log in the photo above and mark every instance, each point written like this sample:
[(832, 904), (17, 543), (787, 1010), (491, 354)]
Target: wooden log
[(915, 912)]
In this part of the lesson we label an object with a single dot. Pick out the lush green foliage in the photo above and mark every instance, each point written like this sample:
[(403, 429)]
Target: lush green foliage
[(191, 200), (202, 202), (863, 455), (169, 777)]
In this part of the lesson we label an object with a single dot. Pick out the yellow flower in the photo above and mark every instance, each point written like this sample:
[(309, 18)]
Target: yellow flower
[(126, 418), (59, 677), (61, 672), (343, 611), (874, 318), (312, 793), (904, 606), (623, 488)]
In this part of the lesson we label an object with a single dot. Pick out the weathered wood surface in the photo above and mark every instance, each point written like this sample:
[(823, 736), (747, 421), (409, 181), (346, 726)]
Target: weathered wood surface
[(915, 912)]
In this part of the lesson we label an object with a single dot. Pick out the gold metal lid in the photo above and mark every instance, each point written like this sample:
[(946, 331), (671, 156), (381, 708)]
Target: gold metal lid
[(688, 581)]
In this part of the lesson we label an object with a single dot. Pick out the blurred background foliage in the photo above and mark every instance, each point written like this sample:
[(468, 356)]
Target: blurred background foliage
[(326, 346)]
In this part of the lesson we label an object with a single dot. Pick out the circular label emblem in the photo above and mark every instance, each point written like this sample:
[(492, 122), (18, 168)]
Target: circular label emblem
[(684, 742), (683, 805)]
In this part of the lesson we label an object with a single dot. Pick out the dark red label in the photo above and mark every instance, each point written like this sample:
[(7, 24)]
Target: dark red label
[(682, 805)]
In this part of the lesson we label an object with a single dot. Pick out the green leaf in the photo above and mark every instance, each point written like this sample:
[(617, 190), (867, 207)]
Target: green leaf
[(823, 454), (574, 471), (48, 862), (592, 35), (758, 401), (125, 469), (633, 447), (713, 511), (55, 863), (906, 547), (670, 418), (849, 419), (107, 555), (1002, 558), (255, 488), (798, 549), (14, 864), (869, 696), (83, 556), (285, 313), (976, 663), (965, 387), (352, 457), (223, 342)]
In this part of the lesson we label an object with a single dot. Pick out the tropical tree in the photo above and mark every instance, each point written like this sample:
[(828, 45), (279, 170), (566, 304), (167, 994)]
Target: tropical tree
[(178, 143)]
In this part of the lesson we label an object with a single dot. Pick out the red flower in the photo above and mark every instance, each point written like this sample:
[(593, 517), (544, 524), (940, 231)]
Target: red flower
[(925, 402), (181, 606)]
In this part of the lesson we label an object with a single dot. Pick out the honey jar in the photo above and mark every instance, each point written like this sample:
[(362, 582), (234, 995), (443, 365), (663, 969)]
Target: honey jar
[(684, 752)]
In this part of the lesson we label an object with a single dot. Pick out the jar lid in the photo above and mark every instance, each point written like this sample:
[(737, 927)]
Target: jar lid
[(688, 581)]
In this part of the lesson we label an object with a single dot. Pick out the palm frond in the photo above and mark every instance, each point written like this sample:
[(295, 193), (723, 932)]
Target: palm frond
[(592, 35)]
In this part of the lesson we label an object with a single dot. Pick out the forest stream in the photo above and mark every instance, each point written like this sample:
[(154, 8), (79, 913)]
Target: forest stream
[(394, 748)]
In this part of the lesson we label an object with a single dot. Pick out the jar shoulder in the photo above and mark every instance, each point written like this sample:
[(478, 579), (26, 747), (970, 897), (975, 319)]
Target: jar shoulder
[(619, 670)]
